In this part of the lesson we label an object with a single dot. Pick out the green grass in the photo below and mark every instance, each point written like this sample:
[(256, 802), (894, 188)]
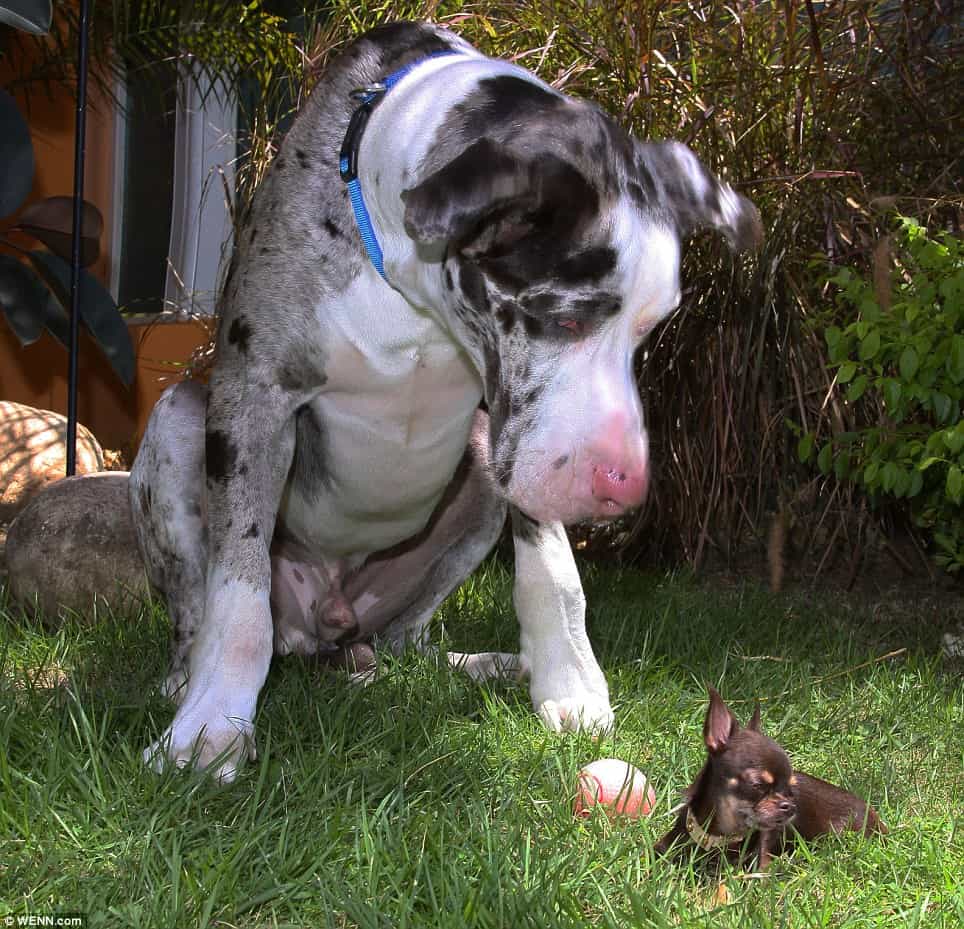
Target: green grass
[(426, 800)]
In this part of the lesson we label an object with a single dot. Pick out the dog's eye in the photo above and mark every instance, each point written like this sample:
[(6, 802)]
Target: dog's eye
[(575, 326)]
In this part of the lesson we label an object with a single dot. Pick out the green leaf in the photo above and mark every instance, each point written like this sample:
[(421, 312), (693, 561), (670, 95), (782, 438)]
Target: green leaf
[(954, 438), (832, 335), (927, 462), (955, 359), (805, 447), (28, 304), (870, 473), (857, 389), (97, 310), (870, 345), (825, 458), (902, 483), (916, 483), (841, 466), (955, 483), (891, 394), (16, 157), (52, 219), (31, 16), (909, 363), (888, 476), (846, 372), (942, 405)]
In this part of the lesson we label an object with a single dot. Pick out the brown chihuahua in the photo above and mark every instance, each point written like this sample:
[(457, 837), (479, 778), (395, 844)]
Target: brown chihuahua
[(749, 799)]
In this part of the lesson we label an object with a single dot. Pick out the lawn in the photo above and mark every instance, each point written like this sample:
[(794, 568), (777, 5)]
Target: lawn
[(425, 800)]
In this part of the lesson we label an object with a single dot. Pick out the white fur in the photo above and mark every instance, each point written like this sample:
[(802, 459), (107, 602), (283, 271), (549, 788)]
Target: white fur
[(214, 725)]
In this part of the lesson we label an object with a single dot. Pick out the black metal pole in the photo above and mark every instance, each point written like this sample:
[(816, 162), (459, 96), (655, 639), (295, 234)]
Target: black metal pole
[(80, 151)]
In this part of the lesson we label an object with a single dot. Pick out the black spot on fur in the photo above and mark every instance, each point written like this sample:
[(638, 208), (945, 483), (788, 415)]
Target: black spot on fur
[(145, 500), (638, 197), (254, 234), (505, 314), (221, 454), (473, 287), (590, 265), (308, 465), (560, 461), (332, 229), (449, 283), (601, 305), (302, 158), (240, 334), (524, 527), (506, 101), (404, 42), (534, 327), (280, 164), (540, 304), (252, 532)]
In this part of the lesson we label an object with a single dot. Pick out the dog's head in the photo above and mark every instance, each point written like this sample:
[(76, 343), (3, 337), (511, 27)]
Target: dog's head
[(748, 778), (557, 238)]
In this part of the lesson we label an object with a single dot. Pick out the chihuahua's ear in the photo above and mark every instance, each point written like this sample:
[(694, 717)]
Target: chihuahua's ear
[(720, 724), (754, 722)]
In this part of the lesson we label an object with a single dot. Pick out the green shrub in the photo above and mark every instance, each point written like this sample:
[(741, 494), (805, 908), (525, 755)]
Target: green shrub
[(901, 359)]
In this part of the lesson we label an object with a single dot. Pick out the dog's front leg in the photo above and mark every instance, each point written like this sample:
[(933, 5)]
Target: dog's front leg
[(567, 686), (249, 443)]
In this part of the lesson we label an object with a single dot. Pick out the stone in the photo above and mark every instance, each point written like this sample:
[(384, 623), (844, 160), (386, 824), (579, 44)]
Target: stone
[(33, 453), (73, 544)]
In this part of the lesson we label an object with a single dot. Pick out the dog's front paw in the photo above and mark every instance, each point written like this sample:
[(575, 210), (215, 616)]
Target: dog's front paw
[(572, 714), (213, 741)]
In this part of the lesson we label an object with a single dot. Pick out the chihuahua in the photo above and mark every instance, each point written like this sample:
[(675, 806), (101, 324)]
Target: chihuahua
[(749, 800)]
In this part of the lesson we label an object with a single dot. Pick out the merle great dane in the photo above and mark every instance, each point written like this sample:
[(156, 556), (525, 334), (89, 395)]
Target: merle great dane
[(372, 418)]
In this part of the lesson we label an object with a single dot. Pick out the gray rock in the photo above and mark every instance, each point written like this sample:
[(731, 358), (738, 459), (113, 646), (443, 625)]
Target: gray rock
[(74, 543)]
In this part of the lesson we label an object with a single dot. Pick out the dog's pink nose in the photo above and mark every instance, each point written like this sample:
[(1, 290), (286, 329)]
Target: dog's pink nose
[(622, 488)]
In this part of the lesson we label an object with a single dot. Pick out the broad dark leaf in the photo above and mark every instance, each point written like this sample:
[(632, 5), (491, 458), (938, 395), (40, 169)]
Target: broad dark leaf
[(52, 221), (28, 303), (27, 15), (16, 156), (97, 310)]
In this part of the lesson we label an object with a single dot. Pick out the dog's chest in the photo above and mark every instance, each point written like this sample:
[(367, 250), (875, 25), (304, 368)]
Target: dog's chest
[(388, 430)]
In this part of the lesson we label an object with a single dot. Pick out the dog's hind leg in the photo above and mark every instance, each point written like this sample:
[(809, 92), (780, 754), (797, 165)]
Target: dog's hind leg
[(396, 592), (167, 501)]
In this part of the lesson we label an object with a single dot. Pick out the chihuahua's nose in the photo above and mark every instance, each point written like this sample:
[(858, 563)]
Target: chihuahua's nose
[(787, 807)]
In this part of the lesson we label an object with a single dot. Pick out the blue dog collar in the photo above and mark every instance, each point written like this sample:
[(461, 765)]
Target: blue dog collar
[(369, 98)]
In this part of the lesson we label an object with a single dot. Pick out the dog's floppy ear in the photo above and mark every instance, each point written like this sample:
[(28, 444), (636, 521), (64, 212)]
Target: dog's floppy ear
[(695, 197), (487, 200), (720, 724), (453, 204)]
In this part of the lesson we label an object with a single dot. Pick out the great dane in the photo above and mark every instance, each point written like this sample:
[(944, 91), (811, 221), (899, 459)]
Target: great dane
[(429, 322)]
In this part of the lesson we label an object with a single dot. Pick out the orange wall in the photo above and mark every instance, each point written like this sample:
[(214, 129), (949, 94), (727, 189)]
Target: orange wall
[(50, 113), (37, 375)]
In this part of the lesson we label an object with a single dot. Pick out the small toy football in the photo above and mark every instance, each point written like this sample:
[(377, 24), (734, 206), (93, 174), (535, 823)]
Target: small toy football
[(616, 787)]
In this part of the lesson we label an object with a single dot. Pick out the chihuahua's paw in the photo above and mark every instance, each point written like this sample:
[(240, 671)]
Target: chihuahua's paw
[(593, 715)]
